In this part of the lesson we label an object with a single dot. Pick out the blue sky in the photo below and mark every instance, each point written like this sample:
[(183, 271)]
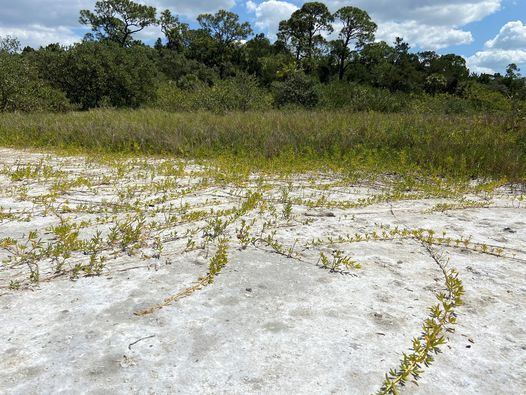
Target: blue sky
[(489, 33)]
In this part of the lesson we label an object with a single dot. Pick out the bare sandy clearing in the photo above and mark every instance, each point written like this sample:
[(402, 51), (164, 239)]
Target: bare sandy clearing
[(192, 279)]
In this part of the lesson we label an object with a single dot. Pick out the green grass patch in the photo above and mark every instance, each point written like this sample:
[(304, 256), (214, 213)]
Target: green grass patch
[(454, 146)]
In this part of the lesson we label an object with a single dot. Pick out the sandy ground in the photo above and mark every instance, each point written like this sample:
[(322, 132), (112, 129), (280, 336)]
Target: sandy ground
[(273, 320)]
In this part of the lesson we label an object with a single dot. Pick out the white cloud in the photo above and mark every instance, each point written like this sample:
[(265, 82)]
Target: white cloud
[(251, 6), (36, 35), (508, 46), (41, 22), (428, 37), (429, 12), (49, 13), (270, 13), (191, 8), (427, 24), (511, 36), (492, 61)]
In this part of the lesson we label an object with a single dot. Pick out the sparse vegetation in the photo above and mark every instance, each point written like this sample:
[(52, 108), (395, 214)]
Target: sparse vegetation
[(157, 209)]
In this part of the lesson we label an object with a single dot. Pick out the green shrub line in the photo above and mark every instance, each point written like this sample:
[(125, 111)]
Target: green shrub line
[(481, 146), (244, 93)]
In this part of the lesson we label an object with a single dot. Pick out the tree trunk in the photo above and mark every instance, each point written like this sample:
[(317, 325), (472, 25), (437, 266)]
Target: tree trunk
[(343, 55), (341, 71)]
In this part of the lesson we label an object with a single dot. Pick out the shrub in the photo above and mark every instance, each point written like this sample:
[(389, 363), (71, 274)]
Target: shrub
[(361, 98), (485, 99), (296, 90), (97, 74), (22, 90), (240, 93)]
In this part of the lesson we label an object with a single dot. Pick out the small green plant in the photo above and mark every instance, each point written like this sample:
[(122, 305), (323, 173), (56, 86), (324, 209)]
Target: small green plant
[(28, 254), (158, 247), (214, 228), (219, 260), (243, 233), (129, 234), (287, 204), (338, 261), (428, 343)]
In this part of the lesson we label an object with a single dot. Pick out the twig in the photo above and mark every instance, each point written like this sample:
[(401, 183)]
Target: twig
[(140, 340)]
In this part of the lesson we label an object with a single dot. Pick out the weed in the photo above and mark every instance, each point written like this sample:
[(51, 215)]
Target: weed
[(428, 343), (243, 234), (337, 261), (219, 260)]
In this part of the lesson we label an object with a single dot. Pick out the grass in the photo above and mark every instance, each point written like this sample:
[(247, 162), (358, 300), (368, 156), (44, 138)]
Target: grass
[(446, 146)]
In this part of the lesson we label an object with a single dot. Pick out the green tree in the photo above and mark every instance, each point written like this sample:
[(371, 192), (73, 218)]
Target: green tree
[(219, 38), (49, 62), (435, 83), (357, 28), (21, 88), (372, 64), (403, 75), (105, 74), (298, 89), (442, 74), (224, 26), (302, 32), (516, 85), (9, 44), (118, 20), (264, 59), (173, 29)]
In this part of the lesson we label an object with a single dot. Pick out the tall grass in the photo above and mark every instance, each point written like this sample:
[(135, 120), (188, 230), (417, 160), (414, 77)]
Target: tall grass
[(453, 146)]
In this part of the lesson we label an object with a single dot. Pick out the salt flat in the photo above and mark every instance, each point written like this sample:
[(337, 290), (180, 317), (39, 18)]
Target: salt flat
[(169, 276)]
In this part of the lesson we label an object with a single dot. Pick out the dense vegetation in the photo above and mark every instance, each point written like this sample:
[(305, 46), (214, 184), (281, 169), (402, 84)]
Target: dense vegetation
[(221, 66), (454, 146)]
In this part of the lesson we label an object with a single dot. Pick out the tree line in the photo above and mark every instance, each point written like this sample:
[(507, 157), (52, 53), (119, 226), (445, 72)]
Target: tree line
[(317, 56)]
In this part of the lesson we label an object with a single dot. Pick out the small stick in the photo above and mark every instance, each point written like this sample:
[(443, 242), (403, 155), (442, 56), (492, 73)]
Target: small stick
[(140, 340)]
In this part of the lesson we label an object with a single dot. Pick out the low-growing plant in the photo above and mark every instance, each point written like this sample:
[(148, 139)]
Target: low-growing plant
[(338, 261), (243, 233), (428, 343), (219, 260)]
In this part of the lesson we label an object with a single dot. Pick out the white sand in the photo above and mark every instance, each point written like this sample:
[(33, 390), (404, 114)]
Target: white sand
[(268, 324)]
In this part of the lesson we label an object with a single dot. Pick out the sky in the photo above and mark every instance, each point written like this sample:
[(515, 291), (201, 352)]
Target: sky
[(490, 34)]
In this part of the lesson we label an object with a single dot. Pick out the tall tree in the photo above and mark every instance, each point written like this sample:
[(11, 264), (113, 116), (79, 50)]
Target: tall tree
[(357, 28), (99, 74), (9, 44), (173, 29), (454, 69), (21, 88), (404, 75), (223, 32), (516, 85), (224, 26), (303, 30), (118, 20)]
